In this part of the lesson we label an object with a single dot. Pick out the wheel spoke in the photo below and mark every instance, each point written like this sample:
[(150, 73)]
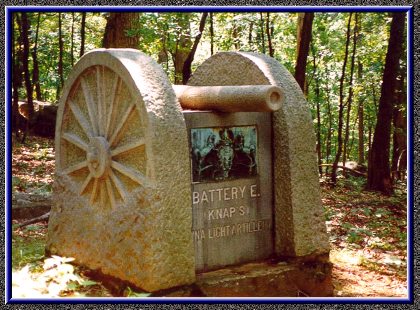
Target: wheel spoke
[(129, 172), (81, 119), (73, 139), (102, 195), (93, 194), (121, 123), (101, 102), (127, 147), (75, 167), (85, 184), (118, 185), (110, 193), (111, 112), (90, 105)]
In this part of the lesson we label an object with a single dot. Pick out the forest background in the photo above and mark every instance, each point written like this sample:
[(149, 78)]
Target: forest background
[(351, 66)]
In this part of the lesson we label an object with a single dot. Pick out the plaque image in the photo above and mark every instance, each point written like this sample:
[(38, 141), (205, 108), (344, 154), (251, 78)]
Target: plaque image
[(223, 153)]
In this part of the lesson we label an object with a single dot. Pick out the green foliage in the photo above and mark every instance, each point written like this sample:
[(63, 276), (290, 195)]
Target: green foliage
[(27, 253), (47, 45), (128, 292), (18, 183), (328, 46)]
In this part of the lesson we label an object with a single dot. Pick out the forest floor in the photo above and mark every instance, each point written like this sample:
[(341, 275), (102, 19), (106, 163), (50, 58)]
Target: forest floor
[(368, 237)]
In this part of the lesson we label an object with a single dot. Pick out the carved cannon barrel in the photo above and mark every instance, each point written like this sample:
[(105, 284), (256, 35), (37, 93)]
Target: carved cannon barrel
[(244, 98)]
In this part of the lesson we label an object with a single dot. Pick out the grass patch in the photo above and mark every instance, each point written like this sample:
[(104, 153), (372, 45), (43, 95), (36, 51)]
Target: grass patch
[(28, 246)]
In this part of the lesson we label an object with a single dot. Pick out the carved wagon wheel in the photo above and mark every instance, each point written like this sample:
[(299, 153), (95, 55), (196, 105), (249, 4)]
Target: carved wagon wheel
[(101, 151)]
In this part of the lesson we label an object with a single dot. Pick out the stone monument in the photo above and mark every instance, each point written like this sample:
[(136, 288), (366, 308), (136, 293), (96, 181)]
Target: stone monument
[(166, 186)]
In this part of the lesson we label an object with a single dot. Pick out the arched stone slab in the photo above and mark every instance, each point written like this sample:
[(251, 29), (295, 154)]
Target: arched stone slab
[(122, 196), (299, 220)]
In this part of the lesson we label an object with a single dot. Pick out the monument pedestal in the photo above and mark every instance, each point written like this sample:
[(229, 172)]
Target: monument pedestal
[(263, 279)]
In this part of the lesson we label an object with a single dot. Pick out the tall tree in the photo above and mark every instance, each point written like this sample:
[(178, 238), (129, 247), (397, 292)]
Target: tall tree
[(211, 34), (186, 70), (72, 40), (350, 96), (269, 35), (60, 56), (35, 70), (262, 33), (16, 72), (379, 176), (361, 119), (82, 34), (182, 45), (304, 35), (399, 139), (118, 28), (317, 91), (251, 29), (25, 27), (341, 106), (329, 127)]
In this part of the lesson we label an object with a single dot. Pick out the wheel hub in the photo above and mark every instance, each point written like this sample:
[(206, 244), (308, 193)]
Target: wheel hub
[(98, 157)]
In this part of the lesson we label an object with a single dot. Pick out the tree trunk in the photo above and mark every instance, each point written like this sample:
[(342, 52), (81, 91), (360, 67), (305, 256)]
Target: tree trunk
[(182, 48), (399, 152), (251, 27), (262, 33), (211, 34), (361, 127), (304, 35), (267, 29), (371, 121), (163, 56), (186, 70), (25, 26), (329, 133), (235, 35), (379, 177), (72, 40), (35, 70), (117, 30), (16, 75), (350, 97), (341, 107), (82, 34), (318, 113), (60, 56)]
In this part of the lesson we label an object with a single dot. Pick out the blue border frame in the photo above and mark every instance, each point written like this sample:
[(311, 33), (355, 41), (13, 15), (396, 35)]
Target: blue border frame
[(206, 300)]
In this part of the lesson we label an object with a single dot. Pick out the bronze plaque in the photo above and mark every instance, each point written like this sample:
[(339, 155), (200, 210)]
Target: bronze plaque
[(231, 176)]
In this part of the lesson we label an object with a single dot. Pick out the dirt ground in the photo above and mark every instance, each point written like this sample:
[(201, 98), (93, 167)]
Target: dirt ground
[(368, 236)]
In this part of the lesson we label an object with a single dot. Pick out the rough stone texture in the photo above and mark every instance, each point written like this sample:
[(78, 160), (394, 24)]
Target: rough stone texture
[(300, 227), (264, 279), (138, 231)]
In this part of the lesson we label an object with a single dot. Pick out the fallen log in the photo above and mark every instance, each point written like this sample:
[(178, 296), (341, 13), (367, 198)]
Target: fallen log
[(28, 206), (35, 220)]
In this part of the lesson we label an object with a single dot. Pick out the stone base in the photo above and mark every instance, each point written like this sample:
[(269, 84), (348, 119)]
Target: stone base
[(264, 279)]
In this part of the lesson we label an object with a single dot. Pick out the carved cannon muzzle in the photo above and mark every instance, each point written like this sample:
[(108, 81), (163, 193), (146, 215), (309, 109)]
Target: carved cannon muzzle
[(244, 98)]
